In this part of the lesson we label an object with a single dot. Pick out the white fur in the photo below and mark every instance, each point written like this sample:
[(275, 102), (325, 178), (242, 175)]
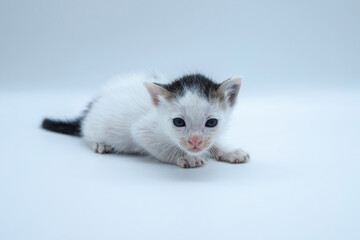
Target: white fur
[(126, 119)]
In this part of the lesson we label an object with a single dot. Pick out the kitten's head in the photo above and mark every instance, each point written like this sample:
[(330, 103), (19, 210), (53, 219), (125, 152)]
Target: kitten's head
[(192, 110)]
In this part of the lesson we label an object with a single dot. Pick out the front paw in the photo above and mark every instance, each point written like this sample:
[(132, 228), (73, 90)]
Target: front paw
[(191, 162), (237, 156)]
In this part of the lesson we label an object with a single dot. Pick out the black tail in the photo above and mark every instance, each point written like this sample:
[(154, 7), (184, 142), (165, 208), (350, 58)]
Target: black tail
[(66, 127)]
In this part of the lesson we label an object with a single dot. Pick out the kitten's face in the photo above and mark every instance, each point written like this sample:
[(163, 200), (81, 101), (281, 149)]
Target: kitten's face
[(193, 110), (192, 122)]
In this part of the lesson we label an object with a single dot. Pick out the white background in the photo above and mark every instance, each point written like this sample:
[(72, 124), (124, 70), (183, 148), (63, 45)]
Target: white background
[(298, 116)]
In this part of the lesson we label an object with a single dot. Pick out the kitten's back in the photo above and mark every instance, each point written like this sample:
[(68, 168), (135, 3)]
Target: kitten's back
[(121, 104)]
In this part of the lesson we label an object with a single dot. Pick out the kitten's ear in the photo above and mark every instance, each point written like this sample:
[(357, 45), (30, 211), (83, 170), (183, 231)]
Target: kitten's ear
[(231, 88), (156, 91)]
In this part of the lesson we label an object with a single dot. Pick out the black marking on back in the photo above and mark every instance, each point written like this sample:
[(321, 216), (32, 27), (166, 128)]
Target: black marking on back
[(197, 83)]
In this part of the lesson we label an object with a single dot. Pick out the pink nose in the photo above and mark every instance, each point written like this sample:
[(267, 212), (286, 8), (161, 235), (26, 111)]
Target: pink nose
[(195, 141)]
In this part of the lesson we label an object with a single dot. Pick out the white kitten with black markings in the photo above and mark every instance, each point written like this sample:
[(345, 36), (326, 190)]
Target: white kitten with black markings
[(177, 122)]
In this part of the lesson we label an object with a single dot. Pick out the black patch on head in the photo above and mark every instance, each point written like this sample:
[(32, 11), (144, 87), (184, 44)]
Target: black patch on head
[(197, 83)]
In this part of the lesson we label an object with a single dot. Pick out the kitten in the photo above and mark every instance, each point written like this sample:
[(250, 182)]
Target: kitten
[(177, 122)]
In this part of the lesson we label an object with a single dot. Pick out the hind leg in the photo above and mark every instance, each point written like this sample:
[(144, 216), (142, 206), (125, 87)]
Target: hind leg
[(101, 148)]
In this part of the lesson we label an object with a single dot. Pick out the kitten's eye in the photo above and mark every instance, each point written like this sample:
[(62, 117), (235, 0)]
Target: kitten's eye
[(212, 122), (179, 122)]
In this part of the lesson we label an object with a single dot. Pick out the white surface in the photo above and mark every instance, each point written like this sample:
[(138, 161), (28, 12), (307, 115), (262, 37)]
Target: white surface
[(302, 181)]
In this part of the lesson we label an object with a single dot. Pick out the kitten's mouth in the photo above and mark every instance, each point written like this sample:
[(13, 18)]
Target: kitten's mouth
[(195, 149)]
